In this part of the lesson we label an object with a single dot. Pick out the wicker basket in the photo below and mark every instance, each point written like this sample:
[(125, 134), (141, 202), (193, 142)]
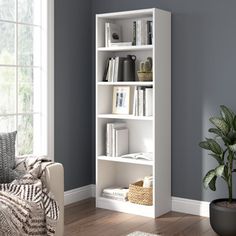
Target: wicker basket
[(140, 195), (144, 76)]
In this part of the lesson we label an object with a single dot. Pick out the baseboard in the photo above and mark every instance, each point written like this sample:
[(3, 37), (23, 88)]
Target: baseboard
[(189, 206), (79, 194), (183, 205)]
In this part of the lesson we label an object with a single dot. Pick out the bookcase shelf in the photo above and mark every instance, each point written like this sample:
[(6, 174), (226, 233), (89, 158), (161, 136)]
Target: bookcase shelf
[(126, 160), (125, 48), (130, 83), (145, 133), (126, 207), (124, 117)]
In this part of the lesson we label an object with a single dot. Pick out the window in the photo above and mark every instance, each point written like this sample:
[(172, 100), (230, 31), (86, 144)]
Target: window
[(26, 74)]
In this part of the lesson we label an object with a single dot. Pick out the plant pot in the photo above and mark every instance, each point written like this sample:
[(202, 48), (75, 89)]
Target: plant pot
[(222, 218)]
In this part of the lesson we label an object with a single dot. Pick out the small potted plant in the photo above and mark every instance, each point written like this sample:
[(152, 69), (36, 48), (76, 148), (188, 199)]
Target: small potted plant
[(223, 149)]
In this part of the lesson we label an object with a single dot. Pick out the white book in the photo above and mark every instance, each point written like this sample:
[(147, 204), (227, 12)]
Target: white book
[(135, 102), (141, 32), (118, 191), (121, 44), (140, 100), (106, 34), (116, 69), (122, 142), (110, 137), (109, 71), (113, 70), (149, 101), (140, 155)]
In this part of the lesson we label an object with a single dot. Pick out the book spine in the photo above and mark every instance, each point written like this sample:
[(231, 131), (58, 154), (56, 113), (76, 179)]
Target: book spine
[(149, 32), (135, 101), (148, 102), (143, 33), (108, 146), (106, 34), (113, 142), (140, 102), (138, 32), (134, 33)]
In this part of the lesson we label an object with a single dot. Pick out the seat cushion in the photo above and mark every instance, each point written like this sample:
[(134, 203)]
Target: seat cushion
[(7, 157)]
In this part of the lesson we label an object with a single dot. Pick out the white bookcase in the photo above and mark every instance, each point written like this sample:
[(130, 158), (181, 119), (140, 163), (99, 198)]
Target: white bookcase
[(146, 134)]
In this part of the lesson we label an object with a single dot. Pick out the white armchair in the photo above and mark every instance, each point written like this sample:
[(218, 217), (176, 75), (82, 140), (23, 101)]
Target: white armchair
[(55, 183)]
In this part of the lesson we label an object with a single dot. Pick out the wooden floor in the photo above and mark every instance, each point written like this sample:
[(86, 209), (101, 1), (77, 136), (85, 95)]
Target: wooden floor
[(83, 219)]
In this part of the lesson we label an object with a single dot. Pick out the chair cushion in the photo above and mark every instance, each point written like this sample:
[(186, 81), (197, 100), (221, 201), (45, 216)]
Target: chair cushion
[(7, 157)]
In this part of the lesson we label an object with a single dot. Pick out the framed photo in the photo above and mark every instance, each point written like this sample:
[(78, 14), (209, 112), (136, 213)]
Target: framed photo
[(121, 100)]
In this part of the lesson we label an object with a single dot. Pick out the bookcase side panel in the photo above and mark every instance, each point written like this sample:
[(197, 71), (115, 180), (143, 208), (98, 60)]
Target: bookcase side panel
[(162, 72)]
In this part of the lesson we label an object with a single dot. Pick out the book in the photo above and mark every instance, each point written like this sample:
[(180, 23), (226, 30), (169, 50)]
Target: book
[(148, 101), (121, 141), (141, 32), (120, 68), (109, 71), (120, 44), (140, 100), (134, 33), (114, 197), (112, 33), (141, 155), (106, 70), (149, 32), (110, 137), (116, 191)]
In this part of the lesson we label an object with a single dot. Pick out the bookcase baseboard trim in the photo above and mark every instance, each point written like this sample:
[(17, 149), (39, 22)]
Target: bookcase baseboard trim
[(189, 206), (79, 194)]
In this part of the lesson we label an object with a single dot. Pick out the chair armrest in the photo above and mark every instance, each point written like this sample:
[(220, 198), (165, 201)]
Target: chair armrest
[(55, 183)]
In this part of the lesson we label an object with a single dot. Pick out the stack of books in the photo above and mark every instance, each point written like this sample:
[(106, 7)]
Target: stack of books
[(113, 69), (143, 101), (116, 193), (117, 139), (142, 32)]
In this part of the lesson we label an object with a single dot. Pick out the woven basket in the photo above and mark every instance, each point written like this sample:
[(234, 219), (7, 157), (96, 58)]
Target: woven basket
[(140, 195), (144, 76)]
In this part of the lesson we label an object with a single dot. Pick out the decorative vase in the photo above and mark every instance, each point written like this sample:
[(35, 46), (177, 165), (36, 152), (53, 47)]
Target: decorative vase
[(222, 218)]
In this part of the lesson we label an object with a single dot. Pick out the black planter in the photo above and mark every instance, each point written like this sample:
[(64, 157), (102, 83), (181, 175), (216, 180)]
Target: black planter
[(223, 219)]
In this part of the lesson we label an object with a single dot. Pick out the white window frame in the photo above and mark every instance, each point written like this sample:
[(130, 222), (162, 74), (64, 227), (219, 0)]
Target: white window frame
[(47, 66), (50, 76)]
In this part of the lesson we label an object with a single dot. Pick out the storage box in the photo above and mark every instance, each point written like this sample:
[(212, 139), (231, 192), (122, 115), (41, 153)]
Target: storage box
[(140, 195)]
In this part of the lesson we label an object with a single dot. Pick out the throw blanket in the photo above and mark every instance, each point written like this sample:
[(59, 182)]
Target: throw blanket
[(26, 206)]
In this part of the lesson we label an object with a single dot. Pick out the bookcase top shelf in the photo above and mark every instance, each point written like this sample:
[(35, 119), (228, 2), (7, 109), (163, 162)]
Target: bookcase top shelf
[(129, 83), (127, 14), (126, 160), (125, 117), (125, 48)]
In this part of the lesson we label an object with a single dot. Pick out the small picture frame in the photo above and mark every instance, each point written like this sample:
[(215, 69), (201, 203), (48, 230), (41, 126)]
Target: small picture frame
[(121, 100)]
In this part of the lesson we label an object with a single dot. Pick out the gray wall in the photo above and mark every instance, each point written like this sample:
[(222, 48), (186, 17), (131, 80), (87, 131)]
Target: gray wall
[(73, 91), (203, 77)]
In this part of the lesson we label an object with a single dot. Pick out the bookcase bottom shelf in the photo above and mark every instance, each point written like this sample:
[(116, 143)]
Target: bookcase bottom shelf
[(126, 207)]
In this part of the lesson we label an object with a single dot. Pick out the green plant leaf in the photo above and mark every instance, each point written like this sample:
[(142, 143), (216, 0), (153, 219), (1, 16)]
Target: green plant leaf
[(227, 114), (214, 146), (204, 145), (215, 131), (212, 184), (208, 178), (232, 147), (217, 157), (219, 171), (234, 123), (220, 124)]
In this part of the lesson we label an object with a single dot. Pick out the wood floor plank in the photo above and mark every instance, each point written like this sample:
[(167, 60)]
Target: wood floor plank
[(84, 219)]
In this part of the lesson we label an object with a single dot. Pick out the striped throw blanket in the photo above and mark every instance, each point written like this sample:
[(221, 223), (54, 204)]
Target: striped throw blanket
[(26, 206)]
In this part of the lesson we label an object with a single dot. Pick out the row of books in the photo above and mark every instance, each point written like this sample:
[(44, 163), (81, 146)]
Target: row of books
[(143, 101), (142, 32), (117, 139), (113, 69), (116, 193)]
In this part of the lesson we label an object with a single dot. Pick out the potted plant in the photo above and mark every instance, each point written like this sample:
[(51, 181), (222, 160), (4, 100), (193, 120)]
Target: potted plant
[(223, 149)]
